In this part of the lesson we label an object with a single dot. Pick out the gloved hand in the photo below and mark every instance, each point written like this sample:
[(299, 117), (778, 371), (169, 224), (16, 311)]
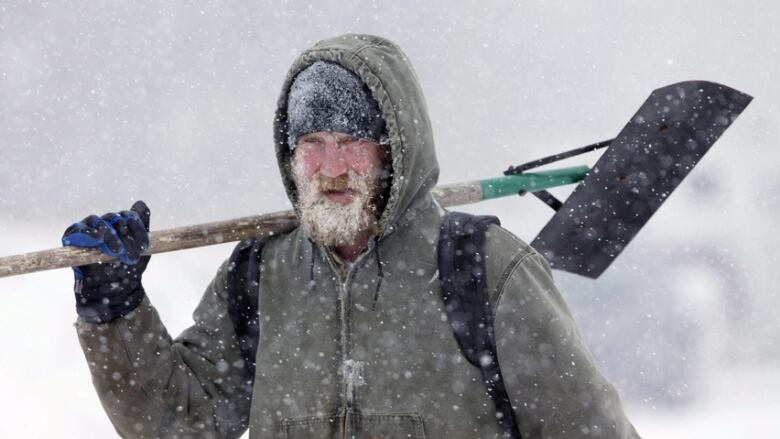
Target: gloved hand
[(108, 291)]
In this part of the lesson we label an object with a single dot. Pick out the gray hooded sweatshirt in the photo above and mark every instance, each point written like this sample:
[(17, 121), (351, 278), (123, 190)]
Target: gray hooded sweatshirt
[(337, 358)]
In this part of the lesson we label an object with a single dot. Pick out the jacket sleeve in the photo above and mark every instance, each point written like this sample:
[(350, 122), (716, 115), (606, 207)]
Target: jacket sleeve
[(550, 376), (152, 386)]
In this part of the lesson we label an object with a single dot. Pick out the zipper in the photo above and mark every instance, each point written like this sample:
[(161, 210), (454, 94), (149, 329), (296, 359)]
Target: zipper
[(344, 333), (343, 340)]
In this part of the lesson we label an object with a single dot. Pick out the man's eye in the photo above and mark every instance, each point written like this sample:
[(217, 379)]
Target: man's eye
[(352, 141)]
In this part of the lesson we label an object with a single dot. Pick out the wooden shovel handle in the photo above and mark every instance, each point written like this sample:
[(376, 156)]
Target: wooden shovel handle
[(199, 235), (161, 241)]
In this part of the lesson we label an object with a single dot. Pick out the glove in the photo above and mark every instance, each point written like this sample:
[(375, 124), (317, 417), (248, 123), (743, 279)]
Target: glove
[(108, 291)]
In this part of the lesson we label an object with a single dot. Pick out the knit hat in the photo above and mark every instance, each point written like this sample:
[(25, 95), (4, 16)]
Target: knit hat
[(327, 97)]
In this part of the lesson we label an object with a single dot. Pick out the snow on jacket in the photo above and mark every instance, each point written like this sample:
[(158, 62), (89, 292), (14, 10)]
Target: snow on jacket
[(341, 359)]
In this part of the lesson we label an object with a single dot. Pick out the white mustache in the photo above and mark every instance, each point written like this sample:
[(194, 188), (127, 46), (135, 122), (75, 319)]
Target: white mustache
[(329, 222)]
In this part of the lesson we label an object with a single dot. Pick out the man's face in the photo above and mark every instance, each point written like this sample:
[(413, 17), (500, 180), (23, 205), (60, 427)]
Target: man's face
[(339, 178)]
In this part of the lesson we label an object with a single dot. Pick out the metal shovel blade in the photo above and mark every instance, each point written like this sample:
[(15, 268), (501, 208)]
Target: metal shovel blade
[(653, 153)]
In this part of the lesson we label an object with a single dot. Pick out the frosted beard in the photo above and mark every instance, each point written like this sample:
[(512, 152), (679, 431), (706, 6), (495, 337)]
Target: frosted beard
[(330, 223)]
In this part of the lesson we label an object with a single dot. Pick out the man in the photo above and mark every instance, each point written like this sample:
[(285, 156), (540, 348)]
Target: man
[(342, 333)]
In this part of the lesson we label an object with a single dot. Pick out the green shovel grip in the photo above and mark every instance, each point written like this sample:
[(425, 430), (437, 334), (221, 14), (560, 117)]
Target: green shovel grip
[(531, 181)]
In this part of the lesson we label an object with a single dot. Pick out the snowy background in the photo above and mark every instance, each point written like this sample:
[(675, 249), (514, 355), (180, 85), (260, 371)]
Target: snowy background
[(104, 103)]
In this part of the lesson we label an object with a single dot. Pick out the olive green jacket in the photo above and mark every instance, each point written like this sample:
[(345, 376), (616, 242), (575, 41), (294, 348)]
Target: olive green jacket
[(337, 356)]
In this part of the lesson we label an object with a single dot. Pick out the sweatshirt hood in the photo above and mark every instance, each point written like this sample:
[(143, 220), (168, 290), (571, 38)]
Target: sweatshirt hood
[(386, 70)]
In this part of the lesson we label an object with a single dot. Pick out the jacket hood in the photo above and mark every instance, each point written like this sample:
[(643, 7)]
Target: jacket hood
[(386, 70)]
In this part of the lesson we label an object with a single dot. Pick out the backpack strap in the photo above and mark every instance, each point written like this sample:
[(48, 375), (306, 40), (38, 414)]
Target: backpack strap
[(464, 292), (243, 280)]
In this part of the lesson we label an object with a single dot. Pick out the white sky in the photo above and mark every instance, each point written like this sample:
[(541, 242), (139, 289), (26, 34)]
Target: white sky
[(103, 103)]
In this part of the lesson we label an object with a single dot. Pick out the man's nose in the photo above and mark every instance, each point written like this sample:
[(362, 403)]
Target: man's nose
[(334, 165)]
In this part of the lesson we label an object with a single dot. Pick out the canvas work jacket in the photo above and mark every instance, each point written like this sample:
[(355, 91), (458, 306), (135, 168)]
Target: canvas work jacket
[(337, 357)]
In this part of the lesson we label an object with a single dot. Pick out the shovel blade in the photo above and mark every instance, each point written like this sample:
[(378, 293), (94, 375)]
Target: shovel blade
[(650, 157)]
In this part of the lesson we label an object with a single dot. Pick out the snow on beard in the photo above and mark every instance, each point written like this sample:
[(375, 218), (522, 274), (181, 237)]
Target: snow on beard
[(330, 223)]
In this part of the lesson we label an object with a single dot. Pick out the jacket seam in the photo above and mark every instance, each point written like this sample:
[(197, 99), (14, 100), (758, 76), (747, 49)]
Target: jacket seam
[(157, 404), (367, 46), (126, 350), (518, 260)]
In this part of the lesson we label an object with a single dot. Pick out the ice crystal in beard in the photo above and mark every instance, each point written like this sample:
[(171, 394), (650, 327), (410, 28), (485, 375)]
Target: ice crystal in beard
[(330, 223)]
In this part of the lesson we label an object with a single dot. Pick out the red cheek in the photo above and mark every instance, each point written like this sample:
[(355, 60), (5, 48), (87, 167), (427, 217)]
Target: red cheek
[(359, 164), (364, 162), (311, 162)]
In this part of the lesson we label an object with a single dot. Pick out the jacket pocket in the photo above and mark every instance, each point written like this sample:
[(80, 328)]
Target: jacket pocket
[(357, 425), (312, 427)]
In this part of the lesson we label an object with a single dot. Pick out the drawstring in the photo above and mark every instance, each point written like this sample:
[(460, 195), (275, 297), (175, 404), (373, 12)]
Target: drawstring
[(312, 284), (380, 273)]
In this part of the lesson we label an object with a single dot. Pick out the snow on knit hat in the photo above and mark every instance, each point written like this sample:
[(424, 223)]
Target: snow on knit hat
[(327, 97)]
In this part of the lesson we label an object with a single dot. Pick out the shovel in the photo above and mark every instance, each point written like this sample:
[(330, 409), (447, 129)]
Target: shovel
[(612, 201)]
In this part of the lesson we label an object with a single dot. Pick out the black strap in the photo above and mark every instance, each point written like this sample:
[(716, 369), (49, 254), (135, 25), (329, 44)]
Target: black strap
[(549, 199), (464, 292), (543, 195), (243, 279), (519, 169)]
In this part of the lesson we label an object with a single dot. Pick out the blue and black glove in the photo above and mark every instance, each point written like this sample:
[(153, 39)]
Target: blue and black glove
[(108, 291)]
